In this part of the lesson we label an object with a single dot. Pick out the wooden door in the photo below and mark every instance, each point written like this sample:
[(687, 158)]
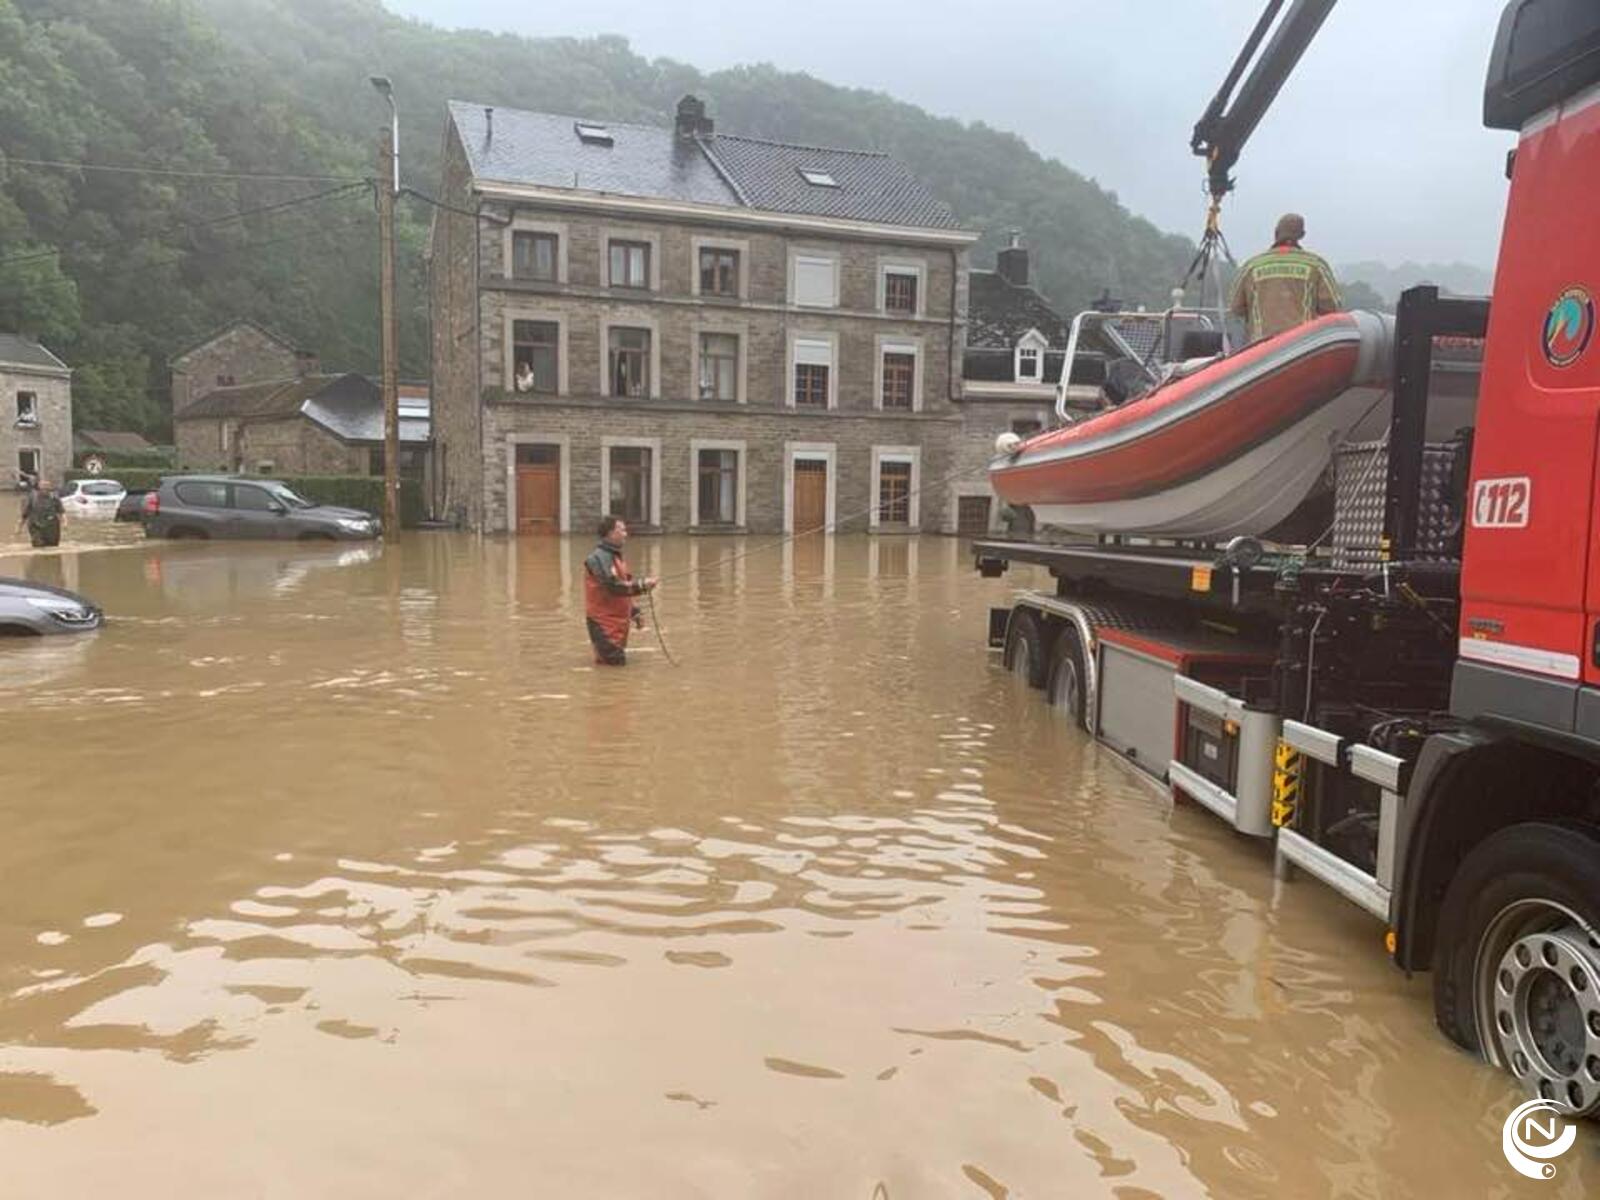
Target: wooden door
[(810, 494), (539, 495), (972, 516)]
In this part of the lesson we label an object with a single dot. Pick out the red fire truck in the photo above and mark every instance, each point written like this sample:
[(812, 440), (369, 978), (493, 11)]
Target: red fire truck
[(1410, 710)]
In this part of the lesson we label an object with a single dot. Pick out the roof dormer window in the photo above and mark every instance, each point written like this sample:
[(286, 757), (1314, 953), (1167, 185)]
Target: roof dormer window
[(592, 134), (817, 177), (1030, 357)]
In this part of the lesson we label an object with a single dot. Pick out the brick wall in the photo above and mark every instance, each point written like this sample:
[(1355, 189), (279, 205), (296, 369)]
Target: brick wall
[(51, 436), (241, 352)]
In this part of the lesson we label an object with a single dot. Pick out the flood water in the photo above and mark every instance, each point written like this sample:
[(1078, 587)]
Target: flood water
[(341, 872)]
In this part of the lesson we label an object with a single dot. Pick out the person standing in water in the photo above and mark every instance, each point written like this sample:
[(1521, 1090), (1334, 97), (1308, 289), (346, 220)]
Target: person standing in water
[(608, 591), (42, 515)]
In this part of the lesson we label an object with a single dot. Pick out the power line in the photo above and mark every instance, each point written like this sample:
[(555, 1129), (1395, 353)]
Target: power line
[(451, 208), (280, 206), (173, 172)]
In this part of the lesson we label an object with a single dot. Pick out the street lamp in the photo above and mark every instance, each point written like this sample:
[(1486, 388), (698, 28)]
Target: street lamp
[(386, 90)]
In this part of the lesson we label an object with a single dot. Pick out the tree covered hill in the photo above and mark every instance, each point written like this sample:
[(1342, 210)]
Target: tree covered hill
[(118, 270)]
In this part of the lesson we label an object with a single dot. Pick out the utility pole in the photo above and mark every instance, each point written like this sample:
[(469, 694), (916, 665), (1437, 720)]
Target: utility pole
[(387, 168)]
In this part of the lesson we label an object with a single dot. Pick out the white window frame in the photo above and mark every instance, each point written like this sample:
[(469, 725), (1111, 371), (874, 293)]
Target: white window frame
[(619, 234), (621, 321), (741, 368), (556, 229), (653, 444), (902, 266), (561, 440), (738, 447), (1032, 340), (508, 366), (889, 344), (38, 460), (698, 244), (826, 452), (812, 257), (816, 338), (29, 419), (898, 454)]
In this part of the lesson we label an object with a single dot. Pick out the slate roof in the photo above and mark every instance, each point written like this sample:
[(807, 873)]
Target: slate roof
[(872, 186), (348, 406), (356, 414), (543, 149), (19, 351), (271, 398), (999, 312)]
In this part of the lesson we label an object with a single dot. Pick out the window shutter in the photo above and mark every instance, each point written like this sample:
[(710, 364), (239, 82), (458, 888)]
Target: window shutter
[(811, 352), (814, 282)]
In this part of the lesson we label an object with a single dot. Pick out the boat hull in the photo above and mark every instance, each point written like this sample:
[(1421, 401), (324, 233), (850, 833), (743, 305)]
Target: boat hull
[(1232, 449)]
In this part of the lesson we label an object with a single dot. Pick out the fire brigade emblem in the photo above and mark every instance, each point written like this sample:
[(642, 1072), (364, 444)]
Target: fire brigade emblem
[(1569, 327)]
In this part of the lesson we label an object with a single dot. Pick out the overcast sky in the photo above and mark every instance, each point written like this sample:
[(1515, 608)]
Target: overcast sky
[(1377, 137)]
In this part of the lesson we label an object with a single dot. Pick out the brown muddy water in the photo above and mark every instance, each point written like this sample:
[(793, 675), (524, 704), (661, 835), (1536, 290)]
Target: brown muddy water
[(341, 872)]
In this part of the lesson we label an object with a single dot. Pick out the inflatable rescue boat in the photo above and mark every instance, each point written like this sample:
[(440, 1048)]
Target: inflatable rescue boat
[(1229, 448)]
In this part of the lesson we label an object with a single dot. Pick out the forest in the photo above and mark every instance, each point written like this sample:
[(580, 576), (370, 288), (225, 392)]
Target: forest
[(168, 165)]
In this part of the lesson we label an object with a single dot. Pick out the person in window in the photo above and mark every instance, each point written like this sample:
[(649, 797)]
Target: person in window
[(42, 515), (608, 591), (524, 382), (1286, 286)]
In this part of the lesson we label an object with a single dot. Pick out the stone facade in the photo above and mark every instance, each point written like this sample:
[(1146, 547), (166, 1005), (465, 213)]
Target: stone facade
[(242, 352), (35, 421), (293, 446), (480, 418)]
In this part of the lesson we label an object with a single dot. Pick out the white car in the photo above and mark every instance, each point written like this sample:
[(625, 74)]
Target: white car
[(92, 497)]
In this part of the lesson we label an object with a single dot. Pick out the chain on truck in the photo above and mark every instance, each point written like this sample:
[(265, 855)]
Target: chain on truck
[(1404, 692)]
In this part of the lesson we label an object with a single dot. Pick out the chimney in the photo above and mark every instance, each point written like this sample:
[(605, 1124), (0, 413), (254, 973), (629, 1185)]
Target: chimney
[(692, 121), (1012, 262), (306, 362), (488, 124)]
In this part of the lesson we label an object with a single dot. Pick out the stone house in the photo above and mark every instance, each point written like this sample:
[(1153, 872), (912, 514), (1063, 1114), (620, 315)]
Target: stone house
[(240, 352), (697, 331), (310, 425), (1011, 368), (35, 411)]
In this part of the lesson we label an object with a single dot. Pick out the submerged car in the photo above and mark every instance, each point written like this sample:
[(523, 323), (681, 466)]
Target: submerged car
[(230, 506), (92, 497), (28, 608)]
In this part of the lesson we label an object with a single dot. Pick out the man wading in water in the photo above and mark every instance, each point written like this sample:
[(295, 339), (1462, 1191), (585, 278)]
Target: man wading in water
[(43, 515), (608, 592)]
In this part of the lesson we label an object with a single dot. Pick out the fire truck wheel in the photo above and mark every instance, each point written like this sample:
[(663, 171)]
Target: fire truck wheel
[(1068, 678), (1517, 962), (1025, 648)]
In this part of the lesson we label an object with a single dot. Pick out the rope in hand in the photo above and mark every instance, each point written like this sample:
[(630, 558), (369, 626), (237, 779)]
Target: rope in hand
[(655, 624)]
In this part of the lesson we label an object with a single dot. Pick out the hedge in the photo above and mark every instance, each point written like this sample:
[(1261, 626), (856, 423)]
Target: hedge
[(348, 491), (155, 459)]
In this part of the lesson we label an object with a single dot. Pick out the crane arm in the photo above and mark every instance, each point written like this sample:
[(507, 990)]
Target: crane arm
[(1233, 114)]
